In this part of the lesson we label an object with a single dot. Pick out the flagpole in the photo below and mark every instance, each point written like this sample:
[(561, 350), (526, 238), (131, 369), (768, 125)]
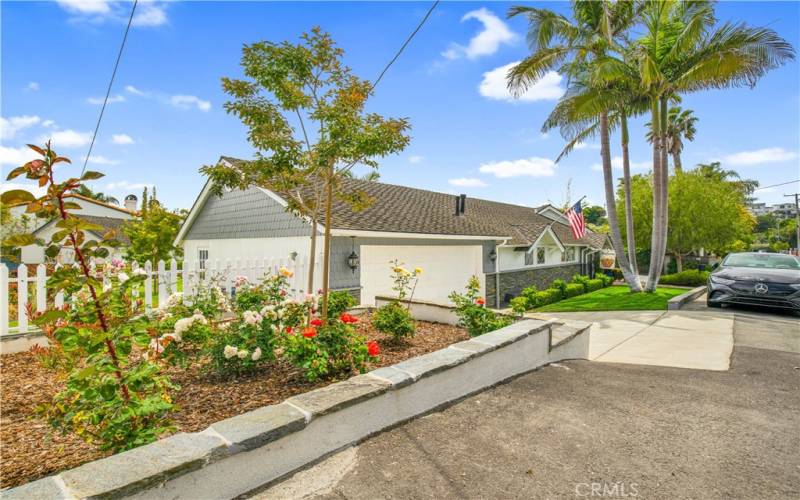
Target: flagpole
[(582, 197)]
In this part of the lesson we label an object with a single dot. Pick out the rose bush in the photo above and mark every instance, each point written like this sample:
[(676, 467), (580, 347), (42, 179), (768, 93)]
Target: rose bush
[(472, 312)]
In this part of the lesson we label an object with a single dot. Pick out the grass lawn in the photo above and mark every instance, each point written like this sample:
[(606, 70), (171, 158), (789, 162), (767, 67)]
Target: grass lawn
[(615, 298)]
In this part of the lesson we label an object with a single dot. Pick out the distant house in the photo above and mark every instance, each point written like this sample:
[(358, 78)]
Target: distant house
[(508, 247), (105, 215)]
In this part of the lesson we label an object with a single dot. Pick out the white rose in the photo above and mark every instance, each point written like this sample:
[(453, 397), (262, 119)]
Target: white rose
[(256, 354), (122, 277), (242, 354), (229, 352), (183, 324), (139, 271)]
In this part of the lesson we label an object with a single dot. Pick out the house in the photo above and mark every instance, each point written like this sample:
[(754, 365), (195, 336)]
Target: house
[(452, 238), (105, 215)]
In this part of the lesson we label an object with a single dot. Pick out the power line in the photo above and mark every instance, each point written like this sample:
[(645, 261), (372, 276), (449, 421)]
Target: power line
[(776, 185), (110, 84), (408, 40)]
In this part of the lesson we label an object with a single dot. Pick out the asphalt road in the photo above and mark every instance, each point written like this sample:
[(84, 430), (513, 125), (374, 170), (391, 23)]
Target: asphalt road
[(597, 430)]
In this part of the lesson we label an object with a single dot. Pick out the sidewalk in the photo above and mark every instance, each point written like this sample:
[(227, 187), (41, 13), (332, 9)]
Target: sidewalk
[(683, 339)]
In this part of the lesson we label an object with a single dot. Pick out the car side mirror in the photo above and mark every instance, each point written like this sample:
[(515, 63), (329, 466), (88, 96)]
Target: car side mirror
[(714, 265)]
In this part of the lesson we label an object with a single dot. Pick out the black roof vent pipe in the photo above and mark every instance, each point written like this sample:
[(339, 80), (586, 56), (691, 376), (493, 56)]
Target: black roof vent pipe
[(462, 204)]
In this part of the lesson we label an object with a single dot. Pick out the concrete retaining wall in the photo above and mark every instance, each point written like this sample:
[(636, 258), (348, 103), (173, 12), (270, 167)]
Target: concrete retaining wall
[(20, 342), (681, 300), (246, 452)]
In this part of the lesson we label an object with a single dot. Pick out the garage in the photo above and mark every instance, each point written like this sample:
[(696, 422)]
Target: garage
[(445, 269)]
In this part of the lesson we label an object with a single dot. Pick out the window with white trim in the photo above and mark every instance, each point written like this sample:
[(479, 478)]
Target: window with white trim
[(568, 255), (202, 257), (540, 255)]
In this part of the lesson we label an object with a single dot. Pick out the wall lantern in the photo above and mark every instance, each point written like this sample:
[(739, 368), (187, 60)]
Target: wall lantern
[(352, 259), (493, 255)]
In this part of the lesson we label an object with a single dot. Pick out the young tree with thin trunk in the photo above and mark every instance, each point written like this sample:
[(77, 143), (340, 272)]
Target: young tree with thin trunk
[(289, 86)]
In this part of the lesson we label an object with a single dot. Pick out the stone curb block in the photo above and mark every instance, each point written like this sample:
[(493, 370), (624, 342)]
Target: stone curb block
[(681, 300), (140, 470)]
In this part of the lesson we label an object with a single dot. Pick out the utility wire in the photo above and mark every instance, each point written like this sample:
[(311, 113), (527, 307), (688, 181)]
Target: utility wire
[(408, 40), (776, 185), (110, 84)]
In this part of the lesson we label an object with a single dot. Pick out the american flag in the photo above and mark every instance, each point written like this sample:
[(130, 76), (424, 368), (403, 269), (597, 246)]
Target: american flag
[(576, 222)]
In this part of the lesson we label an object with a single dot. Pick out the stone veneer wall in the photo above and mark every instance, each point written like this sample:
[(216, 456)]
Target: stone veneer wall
[(512, 282)]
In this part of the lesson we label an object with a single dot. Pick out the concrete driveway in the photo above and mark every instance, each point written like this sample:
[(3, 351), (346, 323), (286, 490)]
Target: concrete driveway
[(584, 429)]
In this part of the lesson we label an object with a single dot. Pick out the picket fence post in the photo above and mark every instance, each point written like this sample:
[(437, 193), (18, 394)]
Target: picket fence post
[(58, 302), (41, 288), (22, 298), (148, 286)]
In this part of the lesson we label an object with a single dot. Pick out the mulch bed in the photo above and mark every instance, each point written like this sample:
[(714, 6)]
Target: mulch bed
[(30, 449)]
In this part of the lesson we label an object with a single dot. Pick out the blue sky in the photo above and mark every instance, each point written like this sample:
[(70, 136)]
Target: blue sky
[(166, 118)]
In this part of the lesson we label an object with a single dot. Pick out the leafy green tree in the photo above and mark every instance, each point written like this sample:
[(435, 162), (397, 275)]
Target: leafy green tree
[(11, 226), (704, 213), (86, 191), (595, 214), (289, 88), (152, 233)]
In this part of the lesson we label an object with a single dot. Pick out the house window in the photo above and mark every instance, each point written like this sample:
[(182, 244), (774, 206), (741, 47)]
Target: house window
[(202, 257), (568, 255), (529, 258), (540, 255)]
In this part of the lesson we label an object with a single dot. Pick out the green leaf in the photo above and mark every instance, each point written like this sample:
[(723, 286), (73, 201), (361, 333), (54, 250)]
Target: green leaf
[(16, 173), (16, 196), (52, 251), (19, 240), (91, 175)]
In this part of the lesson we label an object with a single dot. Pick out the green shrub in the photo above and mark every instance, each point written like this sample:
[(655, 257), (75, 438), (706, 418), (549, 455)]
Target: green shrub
[(548, 296), (594, 284), (617, 272), (607, 280), (691, 277), (472, 314), (581, 279), (519, 304), (574, 289), (560, 285), (339, 302), (394, 319)]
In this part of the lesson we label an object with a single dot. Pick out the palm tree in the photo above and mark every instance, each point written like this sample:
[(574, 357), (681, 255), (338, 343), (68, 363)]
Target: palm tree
[(680, 126), (96, 195), (715, 171), (681, 52), (576, 47)]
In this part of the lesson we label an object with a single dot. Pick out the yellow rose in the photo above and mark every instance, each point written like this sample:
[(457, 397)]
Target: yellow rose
[(418, 271)]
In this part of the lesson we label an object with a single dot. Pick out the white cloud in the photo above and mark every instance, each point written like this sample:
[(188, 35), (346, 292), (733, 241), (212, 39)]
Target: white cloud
[(122, 139), (134, 90), (495, 86), (31, 188), (126, 186), (32, 86), (544, 136), (111, 99), (48, 123), (16, 157), (189, 101), (494, 34), (86, 6), (467, 182), (616, 163), (101, 160), (415, 159), (150, 14), (10, 126), (531, 167), (759, 156), (66, 139)]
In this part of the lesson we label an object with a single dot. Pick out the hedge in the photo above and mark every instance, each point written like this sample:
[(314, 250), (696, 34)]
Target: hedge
[(547, 297), (573, 290), (691, 277), (593, 285)]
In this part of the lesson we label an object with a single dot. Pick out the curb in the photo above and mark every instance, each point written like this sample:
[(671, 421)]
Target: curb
[(681, 300)]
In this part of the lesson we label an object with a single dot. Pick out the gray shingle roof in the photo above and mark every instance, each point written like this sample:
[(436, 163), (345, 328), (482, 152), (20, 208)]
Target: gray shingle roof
[(108, 223), (405, 209)]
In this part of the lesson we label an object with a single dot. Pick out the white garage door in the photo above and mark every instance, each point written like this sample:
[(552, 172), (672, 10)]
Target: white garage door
[(444, 269)]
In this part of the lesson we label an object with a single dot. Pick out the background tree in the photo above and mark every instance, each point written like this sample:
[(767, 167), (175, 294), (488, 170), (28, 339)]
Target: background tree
[(86, 191), (11, 226), (680, 126), (289, 86), (595, 214), (152, 233)]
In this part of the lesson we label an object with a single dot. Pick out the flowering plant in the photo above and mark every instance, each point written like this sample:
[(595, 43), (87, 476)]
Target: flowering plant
[(472, 313), (245, 344), (405, 281), (109, 399), (393, 318), (329, 349)]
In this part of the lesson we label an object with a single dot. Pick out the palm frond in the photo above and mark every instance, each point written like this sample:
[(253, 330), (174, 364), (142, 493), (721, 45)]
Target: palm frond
[(533, 68)]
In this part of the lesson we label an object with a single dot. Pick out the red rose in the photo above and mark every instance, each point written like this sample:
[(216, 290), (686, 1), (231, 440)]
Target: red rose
[(283, 293), (316, 322), (309, 332), (288, 329), (480, 301), (348, 318), (373, 349)]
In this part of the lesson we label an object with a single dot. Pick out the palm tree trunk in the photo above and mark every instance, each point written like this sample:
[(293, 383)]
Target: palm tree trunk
[(326, 252), (626, 179), (676, 160), (655, 235), (679, 261), (662, 251), (611, 207)]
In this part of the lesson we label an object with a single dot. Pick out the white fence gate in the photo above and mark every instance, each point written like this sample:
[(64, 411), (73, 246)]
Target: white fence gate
[(160, 282)]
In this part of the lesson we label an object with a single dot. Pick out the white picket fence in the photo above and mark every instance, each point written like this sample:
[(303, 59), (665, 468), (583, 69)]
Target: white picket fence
[(163, 280)]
